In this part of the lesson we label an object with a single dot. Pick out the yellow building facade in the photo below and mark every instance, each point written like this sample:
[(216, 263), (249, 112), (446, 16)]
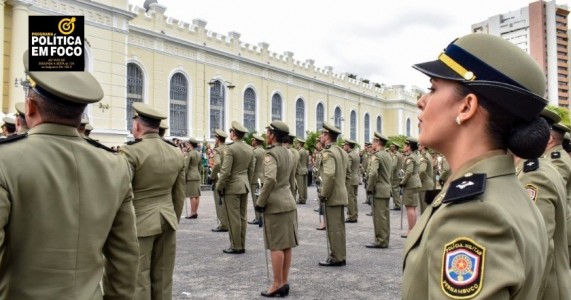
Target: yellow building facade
[(202, 80)]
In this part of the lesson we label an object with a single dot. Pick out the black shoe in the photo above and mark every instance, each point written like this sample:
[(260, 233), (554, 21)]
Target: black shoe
[(331, 262), (366, 202), (370, 214), (316, 210), (218, 229), (281, 292), (254, 222), (320, 228), (192, 216), (375, 245), (350, 220), (286, 287), (234, 251), (300, 202), (395, 208)]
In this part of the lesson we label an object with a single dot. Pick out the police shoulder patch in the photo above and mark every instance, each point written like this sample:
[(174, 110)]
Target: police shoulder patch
[(532, 190), (325, 155), (462, 268), (14, 137), (555, 154), (465, 188), (268, 158)]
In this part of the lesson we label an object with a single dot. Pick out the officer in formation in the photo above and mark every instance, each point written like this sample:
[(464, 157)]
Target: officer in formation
[(365, 155), (193, 169), (295, 153), (64, 249), (397, 174), (426, 174), (278, 207), (9, 127), (20, 117), (482, 237), (334, 169), (353, 182), (234, 185), (319, 182), (567, 143), (380, 172), (219, 152), (301, 173), (410, 181), (545, 188), (158, 201), (257, 179)]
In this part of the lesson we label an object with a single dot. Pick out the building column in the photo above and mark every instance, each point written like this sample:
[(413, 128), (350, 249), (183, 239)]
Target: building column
[(18, 45)]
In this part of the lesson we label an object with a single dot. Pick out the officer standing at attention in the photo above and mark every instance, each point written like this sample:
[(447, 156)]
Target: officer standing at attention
[(364, 165), (258, 145), (193, 169), (545, 188), (9, 127), (295, 153), (410, 182), (219, 151), (334, 169), (301, 173), (482, 237), (353, 182), (158, 201), (426, 174), (82, 231), (234, 185), (380, 169), (396, 171), (21, 124)]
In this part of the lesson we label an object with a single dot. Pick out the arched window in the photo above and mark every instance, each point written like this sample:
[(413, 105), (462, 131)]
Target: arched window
[(299, 118), (134, 90), (407, 127), (319, 116), (250, 109), (353, 127), (217, 99), (337, 117), (179, 105), (276, 107), (367, 125), (379, 124)]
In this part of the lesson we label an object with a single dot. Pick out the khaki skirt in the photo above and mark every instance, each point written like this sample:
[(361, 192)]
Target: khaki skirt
[(193, 188), (410, 197), (281, 230)]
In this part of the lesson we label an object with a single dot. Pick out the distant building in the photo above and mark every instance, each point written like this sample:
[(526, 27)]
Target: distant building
[(201, 79), (541, 29)]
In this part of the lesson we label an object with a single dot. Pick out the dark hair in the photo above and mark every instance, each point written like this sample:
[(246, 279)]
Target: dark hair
[(524, 139), (162, 132), (566, 145), (413, 146), (148, 122), (333, 136), (60, 112), (281, 137), (239, 134)]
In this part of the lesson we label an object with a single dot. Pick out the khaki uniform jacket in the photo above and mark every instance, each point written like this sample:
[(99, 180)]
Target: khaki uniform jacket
[(193, 165), (335, 171), (397, 165), (411, 179), (365, 162), (380, 166), (237, 169), (303, 162), (218, 160), (426, 172), (445, 170), (258, 166), (546, 190), (279, 174), (481, 238), (158, 183), (562, 163), (354, 162), (64, 204)]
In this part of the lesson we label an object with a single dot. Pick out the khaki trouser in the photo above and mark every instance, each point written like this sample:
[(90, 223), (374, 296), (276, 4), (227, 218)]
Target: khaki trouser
[(381, 221), (396, 193), (352, 207), (301, 187), (253, 188), (156, 264), (237, 208), (336, 232), (220, 212), (421, 197)]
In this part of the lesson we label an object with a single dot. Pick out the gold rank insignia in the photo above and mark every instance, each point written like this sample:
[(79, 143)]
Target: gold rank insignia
[(532, 190), (462, 268)]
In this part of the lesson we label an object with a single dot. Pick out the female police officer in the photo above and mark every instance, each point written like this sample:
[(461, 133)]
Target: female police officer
[(482, 237), (278, 205)]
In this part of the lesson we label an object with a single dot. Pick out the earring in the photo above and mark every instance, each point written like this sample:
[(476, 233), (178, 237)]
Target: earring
[(458, 121)]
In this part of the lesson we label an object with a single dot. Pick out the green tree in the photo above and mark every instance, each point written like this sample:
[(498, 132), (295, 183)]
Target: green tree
[(562, 112), (396, 139)]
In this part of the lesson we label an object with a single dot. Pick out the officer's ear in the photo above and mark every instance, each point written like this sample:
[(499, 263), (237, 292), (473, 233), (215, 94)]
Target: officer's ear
[(468, 108)]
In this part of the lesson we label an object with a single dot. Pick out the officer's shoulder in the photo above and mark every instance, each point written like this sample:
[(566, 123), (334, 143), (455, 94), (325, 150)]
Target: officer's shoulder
[(13, 138), (555, 155), (97, 144), (530, 165), (465, 188), (133, 142), (169, 142)]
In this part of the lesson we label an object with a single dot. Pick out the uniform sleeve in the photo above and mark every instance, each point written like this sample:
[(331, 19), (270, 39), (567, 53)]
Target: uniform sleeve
[(328, 162), (200, 165), (178, 191), (251, 169), (216, 165), (423, 166), (373, 173), (225, 169), (121, 250), (270, 175), (348, 172), (408, 169), (187, 159), (126, 151)]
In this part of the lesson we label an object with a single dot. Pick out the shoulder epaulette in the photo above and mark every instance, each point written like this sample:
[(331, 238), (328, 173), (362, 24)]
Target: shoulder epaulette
[(169, 142), (555, 154), (14, 137), (465, 188), (228, 144), (269, 147), (98, 144), (133, 142), (328, 146), (530, 165)]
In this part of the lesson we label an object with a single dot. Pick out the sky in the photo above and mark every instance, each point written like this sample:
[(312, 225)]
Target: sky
[(377, 40)]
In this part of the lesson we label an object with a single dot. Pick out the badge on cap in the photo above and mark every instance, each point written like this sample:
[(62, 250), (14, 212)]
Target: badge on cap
[(462, 268)]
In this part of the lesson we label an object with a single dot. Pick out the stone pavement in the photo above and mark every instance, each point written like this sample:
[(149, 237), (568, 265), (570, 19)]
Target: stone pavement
[(203, 271)]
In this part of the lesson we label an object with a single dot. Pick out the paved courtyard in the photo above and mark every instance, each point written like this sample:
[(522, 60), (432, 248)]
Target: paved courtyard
[(203, 271)]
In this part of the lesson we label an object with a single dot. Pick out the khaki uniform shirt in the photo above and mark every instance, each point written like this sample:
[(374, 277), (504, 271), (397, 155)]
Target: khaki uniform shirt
[(258, 166), (237, 169), (64, 205), (334, 169), (354, 162), (193, 165), (426, 171), (218, 160), (546, 190), (279, 174), (158, 183), (481, 238), (303, 161), (562, 163), (380, 166), (397, 165), (411, 179)]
